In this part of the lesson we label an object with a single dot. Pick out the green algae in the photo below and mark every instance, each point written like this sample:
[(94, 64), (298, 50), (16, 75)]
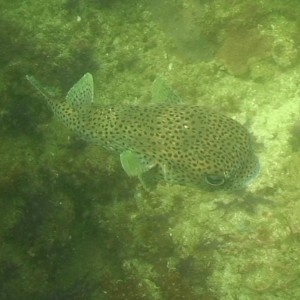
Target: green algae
[(73, 226)]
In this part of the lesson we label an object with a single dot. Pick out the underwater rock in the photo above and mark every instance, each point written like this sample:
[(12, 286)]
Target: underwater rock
[(243, 47)]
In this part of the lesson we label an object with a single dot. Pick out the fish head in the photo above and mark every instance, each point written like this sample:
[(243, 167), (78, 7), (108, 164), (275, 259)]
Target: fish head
[(231, 164)]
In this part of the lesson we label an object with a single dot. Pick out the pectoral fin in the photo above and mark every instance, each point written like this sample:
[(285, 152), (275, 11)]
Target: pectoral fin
[(136, 165)]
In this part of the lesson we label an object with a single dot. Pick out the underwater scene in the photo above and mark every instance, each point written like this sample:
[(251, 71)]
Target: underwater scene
[(150, 150)]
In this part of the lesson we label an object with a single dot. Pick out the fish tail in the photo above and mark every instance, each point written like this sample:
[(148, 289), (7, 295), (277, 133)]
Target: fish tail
[(38, 86)]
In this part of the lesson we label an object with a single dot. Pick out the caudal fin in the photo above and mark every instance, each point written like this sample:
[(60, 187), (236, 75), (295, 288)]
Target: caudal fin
[(38, 86)]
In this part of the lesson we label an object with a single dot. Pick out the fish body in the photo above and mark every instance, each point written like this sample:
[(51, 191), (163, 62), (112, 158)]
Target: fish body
[(184, 144)]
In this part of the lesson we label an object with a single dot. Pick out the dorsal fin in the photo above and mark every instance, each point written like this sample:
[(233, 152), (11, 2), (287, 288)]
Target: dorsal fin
[(82, 92), (163, 93)]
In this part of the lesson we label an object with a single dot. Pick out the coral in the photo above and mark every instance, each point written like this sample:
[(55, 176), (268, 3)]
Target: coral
[(284, 52), (243, 47)]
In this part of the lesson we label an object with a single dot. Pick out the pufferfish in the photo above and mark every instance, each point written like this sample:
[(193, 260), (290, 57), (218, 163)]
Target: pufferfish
[(165, 141)]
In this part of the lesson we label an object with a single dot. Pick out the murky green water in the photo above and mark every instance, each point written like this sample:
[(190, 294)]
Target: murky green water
[(74, 226)]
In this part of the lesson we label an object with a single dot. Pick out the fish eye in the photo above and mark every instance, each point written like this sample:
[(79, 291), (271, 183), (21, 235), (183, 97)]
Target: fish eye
[(215, 180)]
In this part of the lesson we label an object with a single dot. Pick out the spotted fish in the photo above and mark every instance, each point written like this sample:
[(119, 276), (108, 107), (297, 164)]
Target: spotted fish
[(183, 144)]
